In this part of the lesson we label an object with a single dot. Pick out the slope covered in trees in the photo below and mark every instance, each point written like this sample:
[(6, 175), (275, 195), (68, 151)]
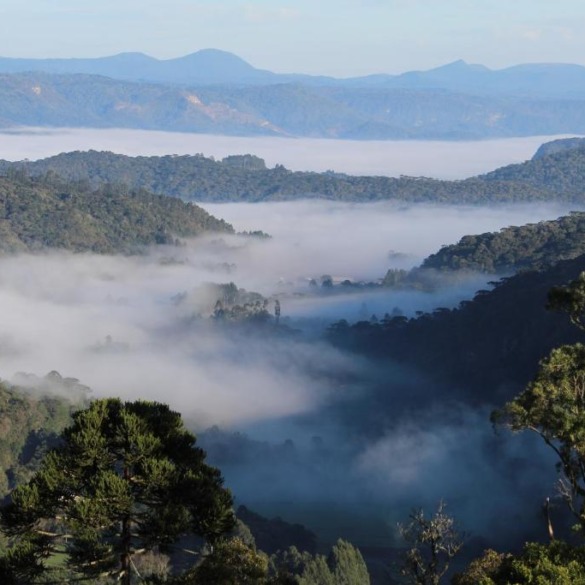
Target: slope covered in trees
[(511, 249), (49, 213), (33, 412), (481, 351), (559, 171), (556, 177)]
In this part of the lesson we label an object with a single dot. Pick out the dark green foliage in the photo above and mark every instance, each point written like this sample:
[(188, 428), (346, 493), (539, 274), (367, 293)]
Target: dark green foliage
[(237, 304), (231, 562), (570, 299), (49, 213), (347, 565), (32, 417), (511, 249), (553, 405), (484, 350), (249, 162), (557, 563), (227, 304), (560, 171), (558, 177), (127, 476), (344, 566), (560, 145)]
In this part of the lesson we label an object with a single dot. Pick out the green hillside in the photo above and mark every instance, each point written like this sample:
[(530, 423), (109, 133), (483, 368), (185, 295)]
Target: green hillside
[(511, 249), (49, 213), (556, 177), (483, 351), (32, 415)]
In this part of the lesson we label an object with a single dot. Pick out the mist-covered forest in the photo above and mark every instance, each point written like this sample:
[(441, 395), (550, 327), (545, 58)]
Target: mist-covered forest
[(300, 392), (558, 176)]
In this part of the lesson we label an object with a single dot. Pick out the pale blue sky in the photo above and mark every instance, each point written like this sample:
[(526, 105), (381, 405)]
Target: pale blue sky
[(334, 37)]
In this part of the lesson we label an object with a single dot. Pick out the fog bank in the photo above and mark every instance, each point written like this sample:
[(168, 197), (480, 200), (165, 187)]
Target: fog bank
[(437, 159), (363, 240)]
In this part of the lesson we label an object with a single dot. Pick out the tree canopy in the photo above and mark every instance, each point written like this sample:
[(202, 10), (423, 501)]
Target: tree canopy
[(47, 212), (528, 247), (555, 177), (126, 478)]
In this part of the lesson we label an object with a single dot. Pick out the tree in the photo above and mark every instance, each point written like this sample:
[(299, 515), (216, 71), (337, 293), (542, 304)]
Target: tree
[(232, 562), (571, 300), (553, 406), (127, 478), (343, 566), (538, 564), (347, 565), (433, 543)]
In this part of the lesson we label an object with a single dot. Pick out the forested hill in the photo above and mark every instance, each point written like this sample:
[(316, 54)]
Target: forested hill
[(563, 170), (531, 246), (557, 177), (48, 213), (32, 414), (483, 351)]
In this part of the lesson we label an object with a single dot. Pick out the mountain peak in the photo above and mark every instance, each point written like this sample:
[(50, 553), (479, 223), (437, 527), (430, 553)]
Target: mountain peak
[(459, 66), (214, 56)]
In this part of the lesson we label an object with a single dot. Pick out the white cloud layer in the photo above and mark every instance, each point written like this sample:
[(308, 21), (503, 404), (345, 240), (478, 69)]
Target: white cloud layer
[(437, 159)]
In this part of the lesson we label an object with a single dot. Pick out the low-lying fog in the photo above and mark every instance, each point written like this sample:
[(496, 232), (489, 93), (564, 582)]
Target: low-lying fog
[(58, 308), (359, 242), (128, 326), (437, 159)]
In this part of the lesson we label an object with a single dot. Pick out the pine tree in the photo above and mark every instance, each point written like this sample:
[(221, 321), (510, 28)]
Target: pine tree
[(127, 478)]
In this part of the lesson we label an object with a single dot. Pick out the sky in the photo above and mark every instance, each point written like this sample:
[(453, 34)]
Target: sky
[(342, 38)]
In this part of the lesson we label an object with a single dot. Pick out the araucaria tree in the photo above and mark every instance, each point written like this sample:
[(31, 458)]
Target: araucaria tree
[(126, 479)]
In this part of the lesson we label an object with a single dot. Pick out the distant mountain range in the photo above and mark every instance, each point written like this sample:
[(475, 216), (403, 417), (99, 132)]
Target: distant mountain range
[(217, 92), (212, 67)]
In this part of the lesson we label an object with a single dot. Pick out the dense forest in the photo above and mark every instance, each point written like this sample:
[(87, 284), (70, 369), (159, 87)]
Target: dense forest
[(487, 346), (511, 249), (555, 177), (47, 212)]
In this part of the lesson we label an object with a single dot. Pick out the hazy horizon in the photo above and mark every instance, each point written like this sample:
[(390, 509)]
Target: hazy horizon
[(342, 38)]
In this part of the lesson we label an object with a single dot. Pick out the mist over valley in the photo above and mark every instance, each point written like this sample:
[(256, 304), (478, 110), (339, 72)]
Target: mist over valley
[(292, 293), (326, 394)]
